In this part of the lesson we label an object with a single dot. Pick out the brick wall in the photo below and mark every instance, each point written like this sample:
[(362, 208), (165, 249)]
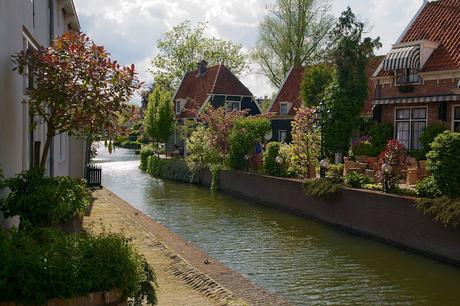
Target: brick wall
[(428, 88)]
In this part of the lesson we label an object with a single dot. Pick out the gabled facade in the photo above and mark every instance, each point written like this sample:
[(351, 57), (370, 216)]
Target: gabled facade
[(288, 100), (417, 83), (215, 85)]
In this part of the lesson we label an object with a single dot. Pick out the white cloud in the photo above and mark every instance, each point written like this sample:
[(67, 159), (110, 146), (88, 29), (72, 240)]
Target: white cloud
[(129, 29)]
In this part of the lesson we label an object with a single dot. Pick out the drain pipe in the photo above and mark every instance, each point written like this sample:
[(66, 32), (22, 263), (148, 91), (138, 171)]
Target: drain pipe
[(51, 30)]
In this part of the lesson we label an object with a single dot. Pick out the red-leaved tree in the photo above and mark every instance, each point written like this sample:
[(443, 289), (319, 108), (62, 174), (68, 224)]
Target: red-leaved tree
[(220, 123), (78, 89), (395, 156)]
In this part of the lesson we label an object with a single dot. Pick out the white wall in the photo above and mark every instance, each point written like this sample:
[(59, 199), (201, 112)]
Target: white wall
[(18, 28)]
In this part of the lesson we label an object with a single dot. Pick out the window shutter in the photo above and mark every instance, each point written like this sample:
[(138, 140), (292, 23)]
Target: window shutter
[(377, 113), (442, 111)]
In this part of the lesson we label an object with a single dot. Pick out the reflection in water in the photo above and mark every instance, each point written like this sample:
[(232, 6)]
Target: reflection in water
[(307, 262)]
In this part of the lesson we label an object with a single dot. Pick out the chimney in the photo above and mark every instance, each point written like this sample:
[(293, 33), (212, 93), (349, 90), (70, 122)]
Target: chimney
[(202, 67)]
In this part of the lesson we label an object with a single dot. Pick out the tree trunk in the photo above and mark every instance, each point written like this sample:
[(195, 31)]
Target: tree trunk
[(46, 149)]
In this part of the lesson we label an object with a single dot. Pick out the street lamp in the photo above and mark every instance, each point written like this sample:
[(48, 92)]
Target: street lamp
[(323, 165), (246, 159), (279, 160), (386, 171)]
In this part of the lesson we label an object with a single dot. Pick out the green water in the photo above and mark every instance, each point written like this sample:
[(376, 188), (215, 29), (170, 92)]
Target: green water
[(307, 262)]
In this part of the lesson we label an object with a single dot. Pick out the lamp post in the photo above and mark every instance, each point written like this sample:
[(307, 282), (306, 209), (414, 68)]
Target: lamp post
[(386, 171), (246, 159), (323, 165)]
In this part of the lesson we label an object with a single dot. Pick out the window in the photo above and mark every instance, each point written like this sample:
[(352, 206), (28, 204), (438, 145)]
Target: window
[(410, 123), (231, 106), (407, 76), (284, 109), (456, 118), (178, 107), (282, 135)]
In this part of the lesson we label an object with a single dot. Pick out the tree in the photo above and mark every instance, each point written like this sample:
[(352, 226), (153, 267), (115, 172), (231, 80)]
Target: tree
[(159, 118), (78, 89), (294, 34), (166, 118), (305, 140), (184, 46), (200, 152), (347, 94), (315, 80), (220, 123), (246, 133)]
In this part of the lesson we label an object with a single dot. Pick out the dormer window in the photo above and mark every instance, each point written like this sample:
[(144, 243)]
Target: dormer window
[(284, 108), (407, 76), (178, 107), (231, 106)]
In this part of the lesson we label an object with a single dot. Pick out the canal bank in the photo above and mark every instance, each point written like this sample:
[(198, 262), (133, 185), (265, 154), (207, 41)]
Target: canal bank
[(307, 262), (185, 274), (384, 217)]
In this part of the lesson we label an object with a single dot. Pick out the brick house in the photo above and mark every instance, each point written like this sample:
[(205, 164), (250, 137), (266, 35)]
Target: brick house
[(417, 83), (288, 100), (215, 85)]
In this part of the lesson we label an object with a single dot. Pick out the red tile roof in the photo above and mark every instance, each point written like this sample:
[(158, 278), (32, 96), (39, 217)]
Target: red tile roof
[(439, 22), (196, 89), (290, 92)]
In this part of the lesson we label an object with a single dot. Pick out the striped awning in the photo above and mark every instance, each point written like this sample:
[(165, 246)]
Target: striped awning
[(410, 100), (401, 58)]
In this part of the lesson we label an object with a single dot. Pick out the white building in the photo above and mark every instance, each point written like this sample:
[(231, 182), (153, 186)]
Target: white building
[(29, 24)]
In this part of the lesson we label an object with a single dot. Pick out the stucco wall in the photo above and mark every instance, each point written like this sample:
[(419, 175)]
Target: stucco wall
[(388, 218)]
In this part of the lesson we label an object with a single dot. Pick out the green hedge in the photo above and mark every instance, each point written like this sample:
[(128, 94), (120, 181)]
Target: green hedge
[(173, 169), (270, 166), (44, 201), (322, 188), (44, 264), (357, 180), (145, 153)]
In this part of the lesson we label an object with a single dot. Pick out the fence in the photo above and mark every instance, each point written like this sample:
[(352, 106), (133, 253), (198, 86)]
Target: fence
[(94, 176)]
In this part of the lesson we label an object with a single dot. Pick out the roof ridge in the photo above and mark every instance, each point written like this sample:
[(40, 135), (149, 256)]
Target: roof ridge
[(215, 80)]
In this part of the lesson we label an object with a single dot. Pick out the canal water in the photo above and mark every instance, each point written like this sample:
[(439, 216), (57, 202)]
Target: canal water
[(307, 262)]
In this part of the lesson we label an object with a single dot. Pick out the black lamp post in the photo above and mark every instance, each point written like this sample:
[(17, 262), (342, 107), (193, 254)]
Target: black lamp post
[(320, 112)]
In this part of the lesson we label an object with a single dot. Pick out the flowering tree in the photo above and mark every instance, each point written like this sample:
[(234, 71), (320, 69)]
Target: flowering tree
[(305, 140), (395, 156), (78, 89), (220, 123)]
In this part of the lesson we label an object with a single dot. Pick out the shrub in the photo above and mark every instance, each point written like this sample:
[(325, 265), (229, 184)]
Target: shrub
[(130, 144), (271, 167), (200, 150), (357, 180), (172, 169), (44, 201), (246, 133), (395, 156), (444, 210), (144, 155), (428, 135), (444, 163), (362, 147), (45, 264), (427, 188), (335, 172), (322, 188), (380, 134)]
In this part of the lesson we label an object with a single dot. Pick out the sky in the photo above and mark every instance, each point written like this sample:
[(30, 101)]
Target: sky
[(130, 29)]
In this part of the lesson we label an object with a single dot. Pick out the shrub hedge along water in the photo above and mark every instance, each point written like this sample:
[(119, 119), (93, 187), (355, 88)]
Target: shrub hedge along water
[(271, 167), (444, 163), (44, 201), (41, 264)]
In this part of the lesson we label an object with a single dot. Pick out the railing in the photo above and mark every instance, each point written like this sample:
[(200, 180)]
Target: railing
[(93, 176)]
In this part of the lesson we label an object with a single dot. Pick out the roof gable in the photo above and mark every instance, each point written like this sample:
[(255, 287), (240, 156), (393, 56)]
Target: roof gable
[(439, 21), (217, 80), (290, 91)]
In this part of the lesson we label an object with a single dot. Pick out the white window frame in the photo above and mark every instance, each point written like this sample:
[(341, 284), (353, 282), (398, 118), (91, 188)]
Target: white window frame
[(178, 110), (287, 108), (279, 136), (227, 102), (453, 120), (410, 120), (407, 83)]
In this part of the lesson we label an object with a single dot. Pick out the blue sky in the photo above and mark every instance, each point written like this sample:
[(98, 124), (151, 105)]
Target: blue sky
[(129, 29)]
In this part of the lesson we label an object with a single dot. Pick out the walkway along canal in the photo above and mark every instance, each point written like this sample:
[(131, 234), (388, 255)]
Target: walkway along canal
[(306, 262)]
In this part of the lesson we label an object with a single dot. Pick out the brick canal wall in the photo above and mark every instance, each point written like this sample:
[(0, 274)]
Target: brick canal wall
[(389, 218)]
